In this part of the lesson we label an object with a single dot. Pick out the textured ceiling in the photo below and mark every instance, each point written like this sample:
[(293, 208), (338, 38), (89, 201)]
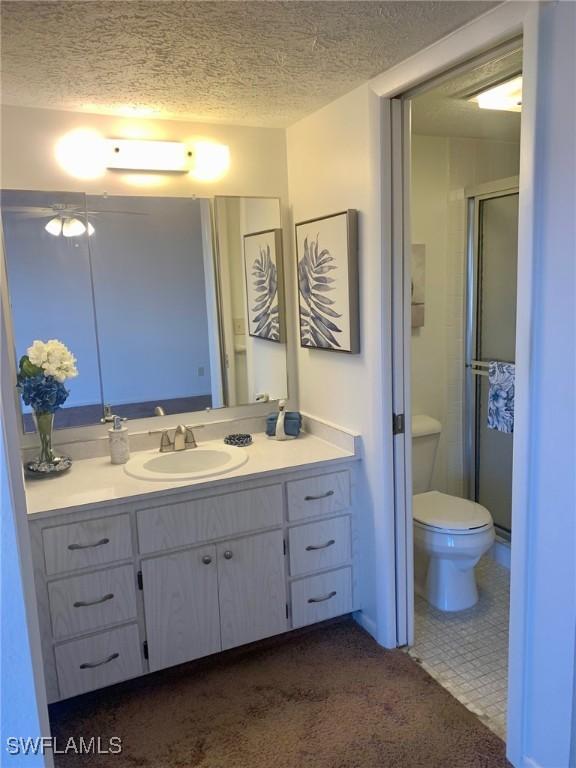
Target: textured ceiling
[(445, 111), (253, 63)]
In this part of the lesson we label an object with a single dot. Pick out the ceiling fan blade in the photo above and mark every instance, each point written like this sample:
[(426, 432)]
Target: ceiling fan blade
[(29, 210), (123, 213)]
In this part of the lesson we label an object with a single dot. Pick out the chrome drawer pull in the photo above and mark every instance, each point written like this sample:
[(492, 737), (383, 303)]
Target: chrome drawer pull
[(322, 599), (312, 547), (89, 546), (321, 496), (94, 664), (86, 603)]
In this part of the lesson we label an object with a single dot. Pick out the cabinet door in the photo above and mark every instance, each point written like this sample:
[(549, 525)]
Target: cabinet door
[(181, 606), (252, 587)]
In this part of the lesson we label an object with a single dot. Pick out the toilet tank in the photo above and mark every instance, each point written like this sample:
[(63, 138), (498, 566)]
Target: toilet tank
[(425, 436)]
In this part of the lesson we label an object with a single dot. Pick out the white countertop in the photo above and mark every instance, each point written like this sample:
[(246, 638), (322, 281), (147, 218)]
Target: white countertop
[(96, 481)]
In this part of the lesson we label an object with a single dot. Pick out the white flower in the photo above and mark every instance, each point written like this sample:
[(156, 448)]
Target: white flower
[(54, 358)]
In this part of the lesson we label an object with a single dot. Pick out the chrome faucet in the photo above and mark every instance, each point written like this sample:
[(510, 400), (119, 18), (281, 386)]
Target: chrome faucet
[(183, 439)]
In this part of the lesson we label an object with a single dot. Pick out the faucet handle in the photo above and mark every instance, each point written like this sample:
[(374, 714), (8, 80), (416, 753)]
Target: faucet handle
[(189, 439), (166, 443)]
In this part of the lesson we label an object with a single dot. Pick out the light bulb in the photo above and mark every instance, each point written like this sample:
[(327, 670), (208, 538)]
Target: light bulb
[(211, 161), (91, 230), (54, 226), (82, 153), (73, 228)]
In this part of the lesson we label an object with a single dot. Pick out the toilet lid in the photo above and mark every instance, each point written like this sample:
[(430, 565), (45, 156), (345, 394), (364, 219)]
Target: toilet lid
[(440, 510)]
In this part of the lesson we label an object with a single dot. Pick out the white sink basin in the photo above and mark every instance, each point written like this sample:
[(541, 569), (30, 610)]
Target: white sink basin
[(204, 461)]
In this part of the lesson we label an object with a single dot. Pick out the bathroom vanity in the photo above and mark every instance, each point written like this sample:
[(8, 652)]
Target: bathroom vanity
[(133, 577)]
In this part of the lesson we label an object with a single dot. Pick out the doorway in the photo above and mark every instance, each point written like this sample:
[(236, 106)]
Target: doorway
[(460, 225)]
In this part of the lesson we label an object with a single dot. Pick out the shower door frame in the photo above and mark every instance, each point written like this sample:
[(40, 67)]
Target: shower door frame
[(474, 197)]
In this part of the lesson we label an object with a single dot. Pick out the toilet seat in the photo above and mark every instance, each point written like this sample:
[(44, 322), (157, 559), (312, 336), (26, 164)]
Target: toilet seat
[(450, 514)]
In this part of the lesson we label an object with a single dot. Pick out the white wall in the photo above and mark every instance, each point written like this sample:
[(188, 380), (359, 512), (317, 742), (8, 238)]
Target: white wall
[(333, 165), (442, 168)]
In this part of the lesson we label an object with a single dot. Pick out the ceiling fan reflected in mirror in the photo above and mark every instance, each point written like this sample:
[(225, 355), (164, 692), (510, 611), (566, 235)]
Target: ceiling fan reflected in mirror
[(68, 226), (64, 220)]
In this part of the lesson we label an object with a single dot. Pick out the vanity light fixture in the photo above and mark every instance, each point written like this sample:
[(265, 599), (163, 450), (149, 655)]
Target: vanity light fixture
[(139, 155), (505, 96), (86, 155), (68, 226)]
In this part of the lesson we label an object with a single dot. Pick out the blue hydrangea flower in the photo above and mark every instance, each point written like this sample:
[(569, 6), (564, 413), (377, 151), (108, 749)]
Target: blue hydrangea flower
[(43, 393)]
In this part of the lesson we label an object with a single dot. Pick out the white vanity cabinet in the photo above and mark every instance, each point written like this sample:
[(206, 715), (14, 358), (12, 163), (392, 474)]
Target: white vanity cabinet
[(212, 598), (147, 583)]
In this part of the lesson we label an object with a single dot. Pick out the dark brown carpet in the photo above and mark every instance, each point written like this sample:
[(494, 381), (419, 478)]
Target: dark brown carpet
[(329, 698)]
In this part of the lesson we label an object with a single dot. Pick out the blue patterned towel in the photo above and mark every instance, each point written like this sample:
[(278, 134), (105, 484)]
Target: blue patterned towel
[(501, 396)]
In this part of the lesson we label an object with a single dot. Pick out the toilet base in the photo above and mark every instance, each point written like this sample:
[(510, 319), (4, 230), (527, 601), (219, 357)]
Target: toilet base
[(448, 587)]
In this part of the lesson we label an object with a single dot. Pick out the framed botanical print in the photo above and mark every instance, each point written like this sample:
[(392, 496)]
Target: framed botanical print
[(327, 253), (264, 284)]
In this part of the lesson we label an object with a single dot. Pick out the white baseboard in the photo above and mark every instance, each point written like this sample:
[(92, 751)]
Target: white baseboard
[(500, 552)]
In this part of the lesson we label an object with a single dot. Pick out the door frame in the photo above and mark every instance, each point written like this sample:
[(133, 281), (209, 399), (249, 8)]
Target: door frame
[(507, 21)]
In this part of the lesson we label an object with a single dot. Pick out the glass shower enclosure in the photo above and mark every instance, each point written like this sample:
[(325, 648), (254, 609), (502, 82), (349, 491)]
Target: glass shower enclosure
[(490, 336)]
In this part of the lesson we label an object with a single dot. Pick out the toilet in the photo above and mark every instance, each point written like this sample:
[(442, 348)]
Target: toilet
[(450, 533)]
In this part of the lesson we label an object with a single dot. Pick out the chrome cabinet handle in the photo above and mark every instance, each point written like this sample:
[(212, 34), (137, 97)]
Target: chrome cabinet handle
[(322, 599), (89, 546), (206, 559), (312, 547), (321, 496), (94, 664), (86, 603), (228, 555)]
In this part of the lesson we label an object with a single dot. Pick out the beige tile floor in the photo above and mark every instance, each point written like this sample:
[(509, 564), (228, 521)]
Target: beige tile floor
[(467, 652)]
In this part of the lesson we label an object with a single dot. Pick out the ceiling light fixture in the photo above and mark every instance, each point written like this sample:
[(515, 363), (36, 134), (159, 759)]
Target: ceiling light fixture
[(505, 96), (68, 226)]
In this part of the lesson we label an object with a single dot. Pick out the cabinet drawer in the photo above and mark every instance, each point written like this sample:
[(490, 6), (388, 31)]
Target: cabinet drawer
[(216, 517), (83, 603), (320, 495), (320, 545), (97, 661), (321, 597), (87, 544)]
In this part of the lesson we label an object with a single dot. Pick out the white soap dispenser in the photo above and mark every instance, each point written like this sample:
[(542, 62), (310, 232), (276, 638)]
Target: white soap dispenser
[(118, 442)]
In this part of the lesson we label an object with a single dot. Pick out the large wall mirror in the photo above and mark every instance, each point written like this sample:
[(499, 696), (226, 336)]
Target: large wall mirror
[(152, 295)]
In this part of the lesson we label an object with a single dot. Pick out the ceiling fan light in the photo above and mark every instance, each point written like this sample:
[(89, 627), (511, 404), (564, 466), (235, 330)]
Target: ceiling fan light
[(54, 226), (73, 228)]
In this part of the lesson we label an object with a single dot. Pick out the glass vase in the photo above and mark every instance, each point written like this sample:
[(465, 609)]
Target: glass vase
[(47, 463)]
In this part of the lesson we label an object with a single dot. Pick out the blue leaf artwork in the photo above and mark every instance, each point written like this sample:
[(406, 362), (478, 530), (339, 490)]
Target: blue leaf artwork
[(328, 296), (263, 277), (318, 318)]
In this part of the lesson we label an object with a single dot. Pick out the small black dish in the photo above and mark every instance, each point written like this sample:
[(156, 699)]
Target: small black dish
[(239, 440)]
